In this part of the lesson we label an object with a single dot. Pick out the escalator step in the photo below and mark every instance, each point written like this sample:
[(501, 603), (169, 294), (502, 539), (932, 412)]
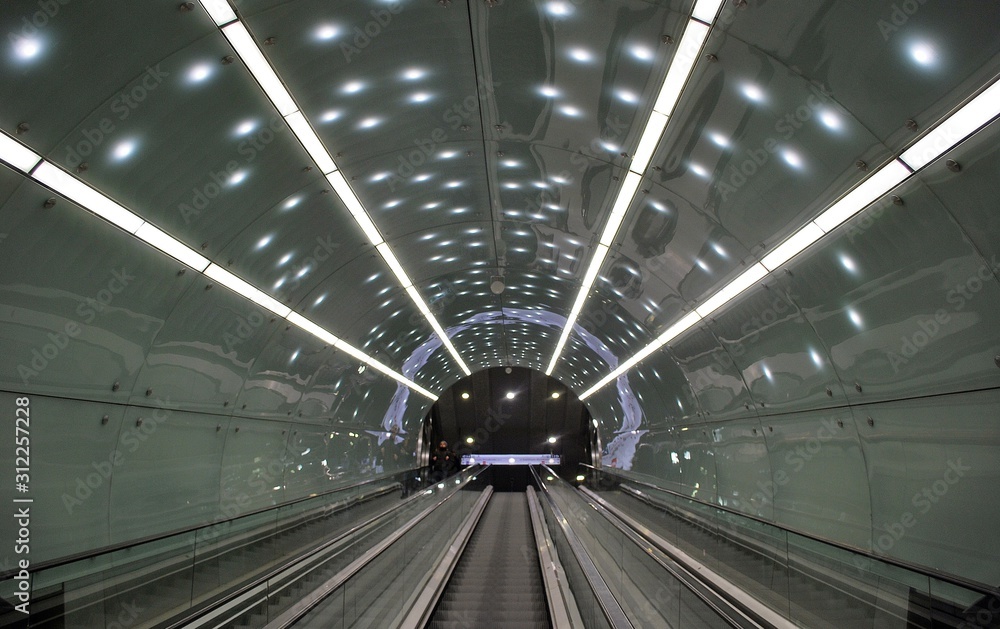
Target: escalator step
[(497, 582)]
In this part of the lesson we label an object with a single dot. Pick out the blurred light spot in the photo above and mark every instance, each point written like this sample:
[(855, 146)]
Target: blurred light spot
[(830, 120), (199, 73), (642, 53), (923, 53), (326, 32), (330, 115), (753, 92), (27, 47), (792, 158), (559, 9), (719, 140), (123, 149)]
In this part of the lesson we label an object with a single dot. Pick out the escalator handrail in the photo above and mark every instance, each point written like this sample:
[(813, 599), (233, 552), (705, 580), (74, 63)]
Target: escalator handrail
[(721, 600), (947, 577), (308, 602), (563, 611), (605, 598), (103, 550), (417, 611), (201, 614)]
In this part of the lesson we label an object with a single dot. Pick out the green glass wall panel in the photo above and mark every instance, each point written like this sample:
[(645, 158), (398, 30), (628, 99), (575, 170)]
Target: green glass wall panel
[(711, 371), (71, 491), (169, 474), (818, 479), (83, 301), (253, 465), (745, 476), (933, 467), (903, 302)]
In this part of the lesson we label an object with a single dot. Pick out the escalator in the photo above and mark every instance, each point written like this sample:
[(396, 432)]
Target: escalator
[(497, 581)]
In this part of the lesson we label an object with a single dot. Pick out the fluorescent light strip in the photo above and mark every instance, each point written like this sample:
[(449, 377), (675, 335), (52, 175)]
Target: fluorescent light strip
[(241, 40), (330, 339), (866, 193), (968, 119), (706, 10), (313, 145), (245, 289), (80, 193), (17, 155), (396, 267), (346, 194), (620, 207), (172, 247), (793, 246), (220, 11), (312, 328), (680, 69), (691, 319), (248, 50), (681, 66), (97, 203), (880, 182), (745, 280), (648, 141), (961, 124)]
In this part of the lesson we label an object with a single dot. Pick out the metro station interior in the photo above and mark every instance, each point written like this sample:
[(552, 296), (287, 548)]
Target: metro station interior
[(727, 269)]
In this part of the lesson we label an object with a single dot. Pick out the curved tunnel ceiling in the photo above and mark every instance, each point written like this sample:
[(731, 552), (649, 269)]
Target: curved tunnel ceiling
[(479, 141)]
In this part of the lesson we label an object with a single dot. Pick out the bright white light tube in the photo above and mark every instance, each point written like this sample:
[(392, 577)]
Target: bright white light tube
[(681, 66), (648, 142), (310, 327), (867, 192), (245, 289), (706, 10), (955, 128), (82, 194), (219, 10), (690, 320), (620, 207), (747, 279), (346, 194), (16, 154), (313, 145), (793, 246), (394, 265), (240, 39), (172, 247)]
